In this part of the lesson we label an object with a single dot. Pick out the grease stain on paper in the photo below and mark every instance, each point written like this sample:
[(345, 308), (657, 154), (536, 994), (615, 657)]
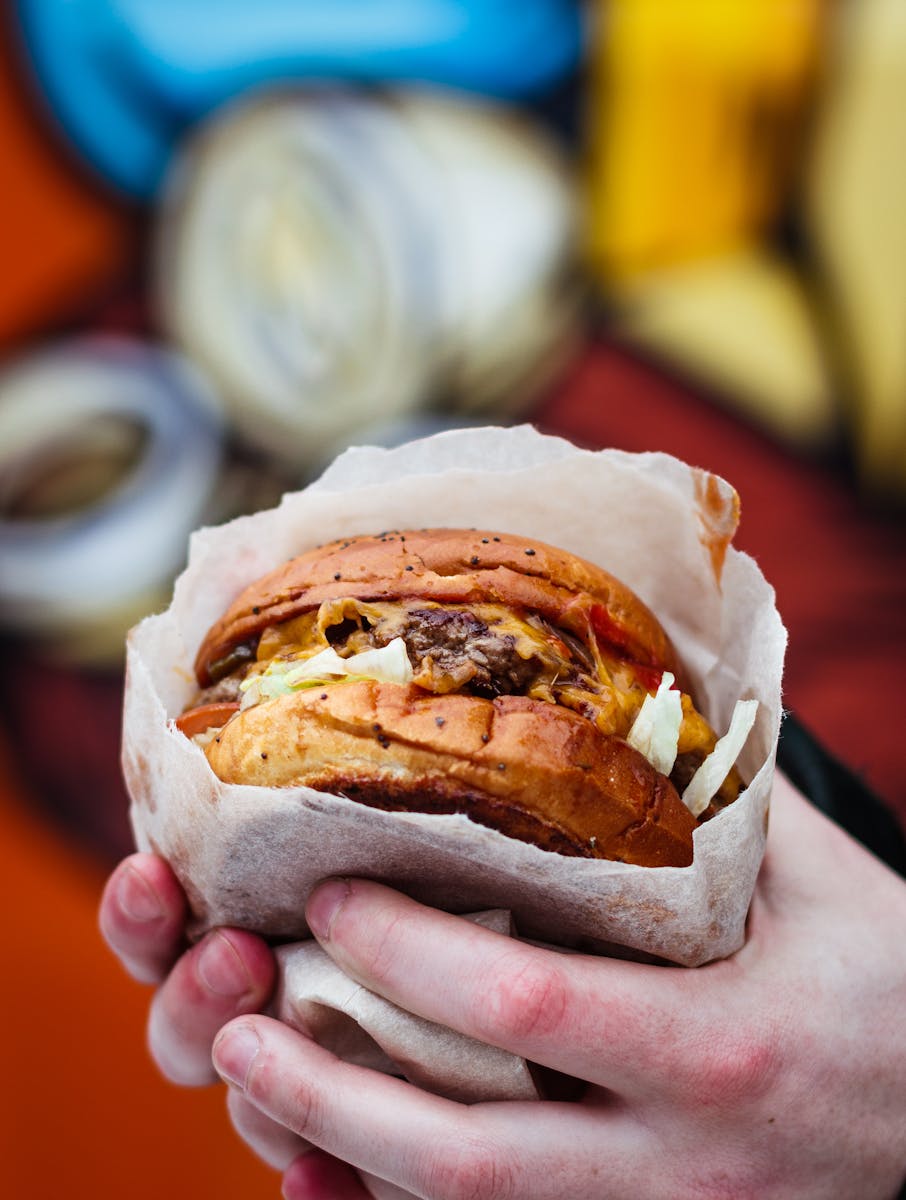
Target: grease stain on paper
[(718, 517)]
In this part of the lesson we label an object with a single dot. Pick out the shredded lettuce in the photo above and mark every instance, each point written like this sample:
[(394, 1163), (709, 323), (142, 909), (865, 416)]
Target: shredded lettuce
[(283, 677), (389, 663), (321, 665), (655, 731), (717, 766)]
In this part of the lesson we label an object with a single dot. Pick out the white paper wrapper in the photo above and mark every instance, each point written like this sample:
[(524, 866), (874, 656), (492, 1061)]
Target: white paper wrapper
[(249, 856), (315, 996)]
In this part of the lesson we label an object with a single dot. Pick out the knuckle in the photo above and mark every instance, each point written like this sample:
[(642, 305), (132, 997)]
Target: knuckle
[(469, 1169), (522, 1001), (737, 1070)]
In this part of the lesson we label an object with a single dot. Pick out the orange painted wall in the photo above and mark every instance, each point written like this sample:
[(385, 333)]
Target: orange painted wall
[(64, 240), (83, 1112)]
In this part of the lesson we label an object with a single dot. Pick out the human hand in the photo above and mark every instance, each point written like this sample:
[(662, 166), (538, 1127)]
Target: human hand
[(228, 973), (780, 1072)]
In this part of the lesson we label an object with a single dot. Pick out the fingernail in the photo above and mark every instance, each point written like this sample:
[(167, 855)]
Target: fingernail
[(324, 904), (137, 897), (234, 1053), (221, 969)]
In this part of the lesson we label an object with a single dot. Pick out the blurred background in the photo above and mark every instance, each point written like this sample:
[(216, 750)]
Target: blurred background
[(236, 238)]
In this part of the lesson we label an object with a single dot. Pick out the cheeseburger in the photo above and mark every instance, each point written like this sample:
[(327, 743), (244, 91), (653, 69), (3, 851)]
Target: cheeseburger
[(460, 671)]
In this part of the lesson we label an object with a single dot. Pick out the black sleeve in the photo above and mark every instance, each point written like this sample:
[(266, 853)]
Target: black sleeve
[(840, 794)]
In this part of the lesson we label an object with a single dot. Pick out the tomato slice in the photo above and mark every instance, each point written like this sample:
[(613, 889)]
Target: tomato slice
[(206, 716)]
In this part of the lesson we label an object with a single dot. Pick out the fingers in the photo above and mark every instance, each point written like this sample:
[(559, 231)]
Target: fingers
[(317, 1175), (599, 1020), (273, 1143), (142, 915), (229, 973), (353, 1113), (422, 1144), (311, 1173)]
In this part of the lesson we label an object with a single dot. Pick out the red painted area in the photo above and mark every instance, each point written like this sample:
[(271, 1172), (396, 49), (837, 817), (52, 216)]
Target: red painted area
[(836, 559)]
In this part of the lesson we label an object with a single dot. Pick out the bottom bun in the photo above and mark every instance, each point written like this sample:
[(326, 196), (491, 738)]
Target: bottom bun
[(530, 769)]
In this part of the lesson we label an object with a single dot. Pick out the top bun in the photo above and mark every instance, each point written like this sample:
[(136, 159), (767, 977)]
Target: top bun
[(455, 566)]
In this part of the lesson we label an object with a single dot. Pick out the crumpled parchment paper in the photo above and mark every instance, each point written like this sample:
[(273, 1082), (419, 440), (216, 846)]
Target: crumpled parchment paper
[(315, 996), (249, 856)]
